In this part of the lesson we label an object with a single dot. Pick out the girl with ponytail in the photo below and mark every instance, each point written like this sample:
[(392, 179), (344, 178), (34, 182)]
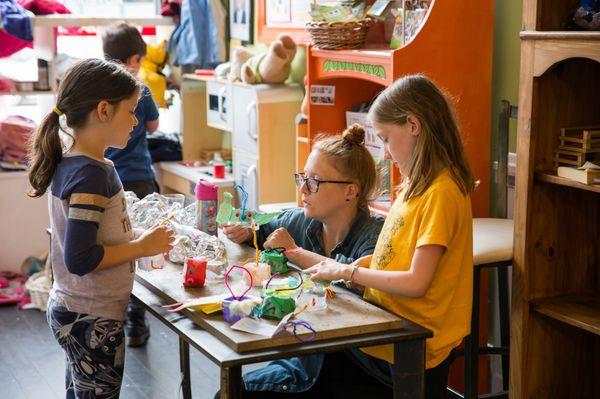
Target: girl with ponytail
[(93, 246)]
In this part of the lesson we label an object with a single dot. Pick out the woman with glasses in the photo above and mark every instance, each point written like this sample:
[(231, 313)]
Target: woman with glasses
[(338, 181)]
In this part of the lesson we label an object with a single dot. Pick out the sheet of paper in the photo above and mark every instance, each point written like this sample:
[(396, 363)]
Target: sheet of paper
[(260, 326), (255, 326)]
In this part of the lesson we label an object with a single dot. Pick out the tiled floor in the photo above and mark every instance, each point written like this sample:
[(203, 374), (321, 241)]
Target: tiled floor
[(32, 363)]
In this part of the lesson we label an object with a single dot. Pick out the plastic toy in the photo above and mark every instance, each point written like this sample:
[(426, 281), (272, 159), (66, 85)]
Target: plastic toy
[(195, 273), (236, 308), (276, 306), (276, 259), (228, 215)]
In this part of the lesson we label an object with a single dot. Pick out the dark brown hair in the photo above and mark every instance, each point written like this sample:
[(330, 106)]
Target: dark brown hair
[(354, 161), (121, 41), (85, 84), (438, 146)]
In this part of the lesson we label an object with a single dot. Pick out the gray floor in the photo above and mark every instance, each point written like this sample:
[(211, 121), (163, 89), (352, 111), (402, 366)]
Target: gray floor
[(32, 363)]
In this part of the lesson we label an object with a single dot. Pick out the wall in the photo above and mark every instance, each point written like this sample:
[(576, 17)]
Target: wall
[(505, 79)]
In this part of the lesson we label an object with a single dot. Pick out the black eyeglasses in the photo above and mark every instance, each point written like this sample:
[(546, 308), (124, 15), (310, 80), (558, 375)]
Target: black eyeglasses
[(312, 184)]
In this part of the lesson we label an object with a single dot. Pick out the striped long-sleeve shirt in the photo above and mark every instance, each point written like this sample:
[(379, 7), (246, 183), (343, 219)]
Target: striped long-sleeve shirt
[(88, 211)]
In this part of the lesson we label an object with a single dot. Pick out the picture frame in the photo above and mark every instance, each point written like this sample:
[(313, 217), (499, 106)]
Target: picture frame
[(240, 20)]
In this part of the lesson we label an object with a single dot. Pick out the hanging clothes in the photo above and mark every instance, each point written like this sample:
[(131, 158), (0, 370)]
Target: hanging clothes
[(194, 41), (219, 17), (15, 20), (44, 7)]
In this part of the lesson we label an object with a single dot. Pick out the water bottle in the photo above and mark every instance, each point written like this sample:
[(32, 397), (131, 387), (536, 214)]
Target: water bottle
[(206, 207)]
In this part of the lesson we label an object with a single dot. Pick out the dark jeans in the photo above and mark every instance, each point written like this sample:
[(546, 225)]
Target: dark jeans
[(141, 188), (94, 352), (342, 377)]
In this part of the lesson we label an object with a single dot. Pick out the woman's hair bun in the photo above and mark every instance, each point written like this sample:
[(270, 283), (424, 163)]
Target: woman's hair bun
[(354, 134)]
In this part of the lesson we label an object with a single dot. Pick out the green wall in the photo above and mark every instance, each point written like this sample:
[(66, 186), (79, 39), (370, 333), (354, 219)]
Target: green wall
[(506, 63)]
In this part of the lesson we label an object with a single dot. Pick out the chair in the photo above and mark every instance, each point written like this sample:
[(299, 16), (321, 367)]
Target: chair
[(492, 248)]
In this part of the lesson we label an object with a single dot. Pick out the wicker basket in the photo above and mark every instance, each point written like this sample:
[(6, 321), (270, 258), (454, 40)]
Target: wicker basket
[(39, 285), (339, 35)]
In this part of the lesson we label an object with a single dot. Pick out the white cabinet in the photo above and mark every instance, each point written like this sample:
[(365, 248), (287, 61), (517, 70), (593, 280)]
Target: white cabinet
[(261, 120), (245, 173), (218, 112)]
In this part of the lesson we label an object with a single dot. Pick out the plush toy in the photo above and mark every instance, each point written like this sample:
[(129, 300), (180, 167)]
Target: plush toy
[(274, 66), (151, 71)]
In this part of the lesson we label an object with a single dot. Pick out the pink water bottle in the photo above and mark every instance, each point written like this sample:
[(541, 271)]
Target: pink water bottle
[(206, 207)]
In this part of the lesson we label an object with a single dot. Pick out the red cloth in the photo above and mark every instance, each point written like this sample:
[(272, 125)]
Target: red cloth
[(171, 8), (10, 44), (44, 7), (15, 134)]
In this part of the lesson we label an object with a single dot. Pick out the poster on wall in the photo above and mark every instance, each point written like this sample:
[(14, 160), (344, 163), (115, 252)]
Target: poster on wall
[(322, 95), (240, 20), (278, 12), (287, 13)]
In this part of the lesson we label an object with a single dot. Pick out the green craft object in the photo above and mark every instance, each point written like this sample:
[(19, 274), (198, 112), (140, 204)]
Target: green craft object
[(276, 307), (276, 259), (229, 215)]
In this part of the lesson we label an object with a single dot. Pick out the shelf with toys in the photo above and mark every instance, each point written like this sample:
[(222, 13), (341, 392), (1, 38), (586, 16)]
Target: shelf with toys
[(555, 319), (457, 56)]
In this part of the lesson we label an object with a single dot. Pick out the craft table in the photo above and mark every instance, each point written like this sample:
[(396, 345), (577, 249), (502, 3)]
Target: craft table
[(348, 322)]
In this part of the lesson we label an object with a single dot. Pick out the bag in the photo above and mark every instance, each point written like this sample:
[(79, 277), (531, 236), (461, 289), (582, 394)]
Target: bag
[(164, 147), (15, 134)]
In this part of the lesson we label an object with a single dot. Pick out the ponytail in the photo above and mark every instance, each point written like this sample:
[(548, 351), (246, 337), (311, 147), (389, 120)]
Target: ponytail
[(45, 152), (85, 84)]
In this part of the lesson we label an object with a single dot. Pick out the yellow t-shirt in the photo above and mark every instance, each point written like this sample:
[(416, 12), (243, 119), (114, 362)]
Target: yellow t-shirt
[(442, 216)]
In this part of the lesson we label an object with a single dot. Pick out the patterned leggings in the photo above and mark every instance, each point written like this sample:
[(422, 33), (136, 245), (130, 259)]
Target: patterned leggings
[(94, 350)]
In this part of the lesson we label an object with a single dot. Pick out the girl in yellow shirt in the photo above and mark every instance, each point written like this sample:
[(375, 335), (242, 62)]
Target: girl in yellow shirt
[(422, 267)]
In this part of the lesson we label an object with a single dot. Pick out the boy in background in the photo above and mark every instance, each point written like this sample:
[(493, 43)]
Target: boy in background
[(123, 43)]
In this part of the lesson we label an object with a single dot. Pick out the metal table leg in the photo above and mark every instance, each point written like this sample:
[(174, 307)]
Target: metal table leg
[(184, 365), (409, 369)]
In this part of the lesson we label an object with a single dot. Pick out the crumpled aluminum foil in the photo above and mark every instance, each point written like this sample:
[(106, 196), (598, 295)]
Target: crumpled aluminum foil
[(190, 242)]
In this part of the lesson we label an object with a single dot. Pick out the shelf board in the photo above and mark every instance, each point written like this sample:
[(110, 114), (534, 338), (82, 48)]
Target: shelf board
[(581, 311), (354, 63), (82, 20), (551, 177), (560, 35)]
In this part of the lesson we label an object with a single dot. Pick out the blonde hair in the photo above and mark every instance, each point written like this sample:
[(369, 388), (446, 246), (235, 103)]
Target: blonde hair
[(438, 146), (354, 160)]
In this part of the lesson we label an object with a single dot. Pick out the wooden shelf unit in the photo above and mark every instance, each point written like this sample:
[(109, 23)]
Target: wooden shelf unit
[(438, 50), (555, 322), (581, 311)]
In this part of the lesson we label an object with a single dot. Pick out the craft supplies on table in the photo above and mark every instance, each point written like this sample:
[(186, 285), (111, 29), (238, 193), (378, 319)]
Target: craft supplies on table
[(194, 275)]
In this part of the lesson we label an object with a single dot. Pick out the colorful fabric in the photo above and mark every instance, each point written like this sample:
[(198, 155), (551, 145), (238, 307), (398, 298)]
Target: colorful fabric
[(15, 21), (94, 351), (440, 216)]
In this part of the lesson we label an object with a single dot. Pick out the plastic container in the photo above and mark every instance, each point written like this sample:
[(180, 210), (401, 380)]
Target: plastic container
[(195, 273), (206, 207)]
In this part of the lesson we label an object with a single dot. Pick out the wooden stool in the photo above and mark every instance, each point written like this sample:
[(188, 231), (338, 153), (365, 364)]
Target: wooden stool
[(492, 248)]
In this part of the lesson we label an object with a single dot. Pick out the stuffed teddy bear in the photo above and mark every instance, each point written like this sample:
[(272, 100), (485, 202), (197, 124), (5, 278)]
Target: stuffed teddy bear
[(151, 71), (274, 66)]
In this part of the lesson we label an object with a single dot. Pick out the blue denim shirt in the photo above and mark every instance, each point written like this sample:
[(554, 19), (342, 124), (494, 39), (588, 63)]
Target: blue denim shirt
[(299, 374)]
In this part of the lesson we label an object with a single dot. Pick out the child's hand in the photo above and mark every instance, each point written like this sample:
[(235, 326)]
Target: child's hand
[(329, 270), (280, 238), (237, 233), (158, 240)]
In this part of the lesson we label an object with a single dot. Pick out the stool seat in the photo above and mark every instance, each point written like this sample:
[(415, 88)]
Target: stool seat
[(492, 240)]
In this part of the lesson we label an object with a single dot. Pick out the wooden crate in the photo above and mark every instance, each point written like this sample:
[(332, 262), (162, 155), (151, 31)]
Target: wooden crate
[(563, 157), (580, 139)]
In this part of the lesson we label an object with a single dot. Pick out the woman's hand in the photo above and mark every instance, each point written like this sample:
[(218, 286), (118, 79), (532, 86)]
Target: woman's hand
[(329, 270), (237, 233), (280, 238)]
